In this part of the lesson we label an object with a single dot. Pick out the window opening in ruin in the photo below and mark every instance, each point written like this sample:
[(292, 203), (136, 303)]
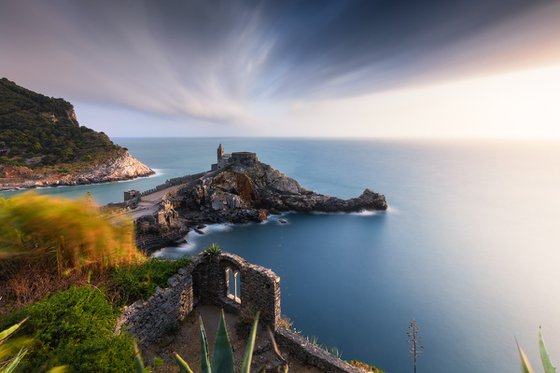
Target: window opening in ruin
[(233, 285)]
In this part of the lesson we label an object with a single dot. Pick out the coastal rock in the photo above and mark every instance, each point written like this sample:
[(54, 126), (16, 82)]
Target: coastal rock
[(122, 167), (249, 191)]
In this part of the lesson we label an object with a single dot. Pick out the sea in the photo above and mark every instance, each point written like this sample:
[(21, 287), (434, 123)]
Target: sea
[(469, 247)]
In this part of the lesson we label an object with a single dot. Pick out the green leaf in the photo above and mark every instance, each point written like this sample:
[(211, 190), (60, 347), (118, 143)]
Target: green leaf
[(525, 364), (15, 362), (60, 369), (204, 361), (222, 357), (545, 358), (248, 355), (12, 329), (138, 363), (183, 366)]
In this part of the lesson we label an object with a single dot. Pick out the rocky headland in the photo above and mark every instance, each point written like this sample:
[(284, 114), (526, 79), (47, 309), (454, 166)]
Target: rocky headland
[(42, 144), (239, 189)]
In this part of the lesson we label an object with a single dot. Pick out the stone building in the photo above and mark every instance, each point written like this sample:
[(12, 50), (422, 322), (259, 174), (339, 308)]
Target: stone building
[(224, 160)]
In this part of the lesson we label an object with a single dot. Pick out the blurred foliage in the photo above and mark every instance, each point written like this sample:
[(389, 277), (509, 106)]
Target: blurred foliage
[(75, 328), (68, 235), (140, 281), (33, 125)]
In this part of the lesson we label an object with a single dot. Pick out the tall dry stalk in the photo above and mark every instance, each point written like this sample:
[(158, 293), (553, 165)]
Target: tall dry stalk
[(415, 342)]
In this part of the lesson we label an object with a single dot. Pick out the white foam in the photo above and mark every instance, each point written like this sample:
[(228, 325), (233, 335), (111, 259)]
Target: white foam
[(365, 213), (393, 210)]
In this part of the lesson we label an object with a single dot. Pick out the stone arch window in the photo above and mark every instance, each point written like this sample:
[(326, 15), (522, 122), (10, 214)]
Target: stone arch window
[(233, 284)]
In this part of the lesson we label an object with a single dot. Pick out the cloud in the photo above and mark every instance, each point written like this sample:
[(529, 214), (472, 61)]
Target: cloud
[(243, 62)]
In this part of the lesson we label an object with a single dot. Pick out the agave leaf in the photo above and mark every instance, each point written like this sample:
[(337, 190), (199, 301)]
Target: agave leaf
[(545, 358), (204, 359), (248, 355), (138, 363), (183, 366), (7, 332), (15, 361), (222, 357), (525, 364), (60, 369)]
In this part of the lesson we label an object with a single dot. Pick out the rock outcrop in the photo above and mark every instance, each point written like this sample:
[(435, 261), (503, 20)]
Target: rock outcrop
[(122, 167), (250, 191)]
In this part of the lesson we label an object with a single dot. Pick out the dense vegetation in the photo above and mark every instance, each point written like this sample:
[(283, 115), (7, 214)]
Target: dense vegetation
[(75, 328), (36, 130)]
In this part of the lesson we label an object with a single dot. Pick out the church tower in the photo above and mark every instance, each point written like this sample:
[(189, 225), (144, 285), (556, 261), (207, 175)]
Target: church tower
[(220, 152)]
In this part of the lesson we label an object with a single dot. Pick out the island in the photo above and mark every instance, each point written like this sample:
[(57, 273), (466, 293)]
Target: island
[(42, 144), (237, 189)]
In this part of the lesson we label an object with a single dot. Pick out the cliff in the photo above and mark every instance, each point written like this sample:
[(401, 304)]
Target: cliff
[(42, 143)]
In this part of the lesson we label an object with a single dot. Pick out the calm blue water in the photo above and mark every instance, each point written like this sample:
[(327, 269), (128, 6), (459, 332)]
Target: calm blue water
[(470, 246)]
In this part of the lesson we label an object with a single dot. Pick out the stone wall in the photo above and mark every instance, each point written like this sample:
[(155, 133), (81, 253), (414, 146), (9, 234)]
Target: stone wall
[(310, 353), (205, 281), (245, 158), (149, 320)]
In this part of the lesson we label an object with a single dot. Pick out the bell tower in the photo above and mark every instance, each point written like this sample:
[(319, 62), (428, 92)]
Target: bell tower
[(220, 152)]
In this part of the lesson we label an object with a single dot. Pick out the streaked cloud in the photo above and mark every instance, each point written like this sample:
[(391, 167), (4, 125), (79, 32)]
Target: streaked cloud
[(245, 64)]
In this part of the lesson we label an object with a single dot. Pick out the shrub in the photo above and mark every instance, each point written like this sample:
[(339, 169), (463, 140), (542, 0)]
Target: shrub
[(75, 328), (64, 234), (139, 281)]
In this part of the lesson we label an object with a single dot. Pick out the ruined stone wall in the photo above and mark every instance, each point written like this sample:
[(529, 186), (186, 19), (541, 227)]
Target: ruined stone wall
[(259, 287), (149, 320), (311, 354), (204, 281)]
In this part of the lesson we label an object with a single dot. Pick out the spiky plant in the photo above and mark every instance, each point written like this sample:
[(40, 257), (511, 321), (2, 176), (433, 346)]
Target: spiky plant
[(212, 250), (9, 361), (222, 356), (545, 358)]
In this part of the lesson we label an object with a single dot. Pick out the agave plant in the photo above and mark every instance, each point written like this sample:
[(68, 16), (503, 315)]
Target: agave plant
[(545, 358), (222, 356), (8, 363), (212, 250)]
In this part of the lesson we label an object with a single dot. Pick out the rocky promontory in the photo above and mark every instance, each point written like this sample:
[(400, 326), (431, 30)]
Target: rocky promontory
[(42, 144), (238, 189), (249, 191)]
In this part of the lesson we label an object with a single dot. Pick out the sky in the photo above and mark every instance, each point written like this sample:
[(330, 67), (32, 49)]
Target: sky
[(371, 68)]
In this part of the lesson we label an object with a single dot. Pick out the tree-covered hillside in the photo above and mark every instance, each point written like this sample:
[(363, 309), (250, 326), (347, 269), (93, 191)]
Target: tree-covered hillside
[(36, 130)]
